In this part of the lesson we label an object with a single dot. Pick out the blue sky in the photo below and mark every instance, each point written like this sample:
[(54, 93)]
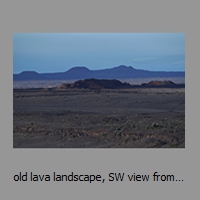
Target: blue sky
[(58, 52)]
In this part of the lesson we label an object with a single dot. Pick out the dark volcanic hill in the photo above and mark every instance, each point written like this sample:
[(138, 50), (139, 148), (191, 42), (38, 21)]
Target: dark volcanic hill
[(120, 72), (97, 84), (116, 84), (158, 83), (162, 84)]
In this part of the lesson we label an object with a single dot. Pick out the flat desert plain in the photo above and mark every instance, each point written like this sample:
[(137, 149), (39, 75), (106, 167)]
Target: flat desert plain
[(106, 118)]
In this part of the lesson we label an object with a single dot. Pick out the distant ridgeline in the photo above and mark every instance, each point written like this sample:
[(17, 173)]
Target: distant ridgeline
[(120, 72)]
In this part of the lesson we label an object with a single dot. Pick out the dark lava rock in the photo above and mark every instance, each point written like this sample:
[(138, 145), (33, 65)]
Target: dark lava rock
[(161, 83), (97, 84)]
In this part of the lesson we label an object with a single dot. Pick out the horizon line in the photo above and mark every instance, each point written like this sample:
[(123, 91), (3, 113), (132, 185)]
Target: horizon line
[(94, 70)]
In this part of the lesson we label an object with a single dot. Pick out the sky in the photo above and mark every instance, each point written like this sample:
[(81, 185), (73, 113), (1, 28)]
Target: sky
[(58, 52)]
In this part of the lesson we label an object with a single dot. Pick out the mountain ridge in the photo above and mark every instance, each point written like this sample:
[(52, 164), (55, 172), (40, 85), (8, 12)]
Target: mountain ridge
[(82, 72)]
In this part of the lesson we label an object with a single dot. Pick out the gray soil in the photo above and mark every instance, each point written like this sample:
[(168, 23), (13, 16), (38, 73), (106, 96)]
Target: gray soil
[(83, 118)]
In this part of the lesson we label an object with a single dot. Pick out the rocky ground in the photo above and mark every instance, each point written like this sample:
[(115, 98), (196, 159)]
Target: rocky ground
[(105, 118)]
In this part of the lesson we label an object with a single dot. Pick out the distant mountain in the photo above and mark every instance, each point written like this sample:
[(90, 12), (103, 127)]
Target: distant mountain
[(120, 72)]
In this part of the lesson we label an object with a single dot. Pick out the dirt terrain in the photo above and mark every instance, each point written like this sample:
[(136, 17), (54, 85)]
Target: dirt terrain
[(99, 118)]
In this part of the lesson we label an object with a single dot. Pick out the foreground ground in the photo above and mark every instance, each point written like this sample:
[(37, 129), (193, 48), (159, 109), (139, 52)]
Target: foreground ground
[(83, 118)]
